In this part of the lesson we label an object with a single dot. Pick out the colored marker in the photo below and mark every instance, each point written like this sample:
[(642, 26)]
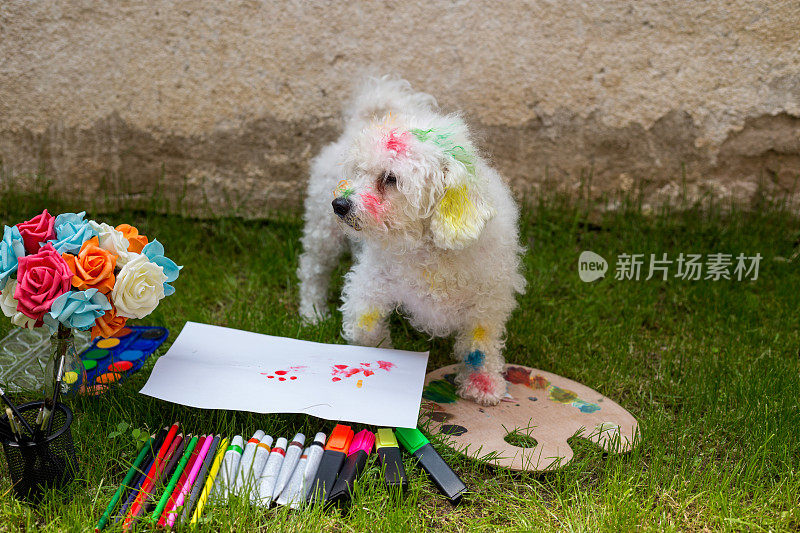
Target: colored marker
[(442, 475), (179, 494), (173, 456), (266, 483), (162, 503), (230, 465), (293, 453), (353, 466), (209, 484), (197, 487), (135, 492), (259, 462), (146, 449), (153, 473), (152, 451), (332, 460), (392, 462), (244, 475)]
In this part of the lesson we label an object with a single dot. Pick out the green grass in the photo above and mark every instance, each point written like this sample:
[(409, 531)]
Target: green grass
[(710, 369)]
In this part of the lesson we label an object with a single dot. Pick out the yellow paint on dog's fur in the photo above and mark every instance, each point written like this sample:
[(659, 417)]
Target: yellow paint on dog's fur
[(454, 207), (368, 320), (479, 334)]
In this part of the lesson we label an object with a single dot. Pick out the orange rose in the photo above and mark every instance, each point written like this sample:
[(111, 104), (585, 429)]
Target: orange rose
[(135, 241), (93, 267), (109, 324)]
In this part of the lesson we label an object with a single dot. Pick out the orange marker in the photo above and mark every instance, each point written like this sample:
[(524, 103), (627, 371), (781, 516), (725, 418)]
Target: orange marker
[(332, 459)]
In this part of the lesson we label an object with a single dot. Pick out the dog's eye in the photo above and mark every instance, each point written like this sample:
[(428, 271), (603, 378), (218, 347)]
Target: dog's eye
[(389, 178)]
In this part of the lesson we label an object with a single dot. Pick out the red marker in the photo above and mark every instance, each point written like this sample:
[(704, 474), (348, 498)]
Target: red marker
[(173, 499), (152, 475)]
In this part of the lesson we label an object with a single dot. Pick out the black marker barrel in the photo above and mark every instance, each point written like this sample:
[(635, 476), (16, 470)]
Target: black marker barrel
[(332, 460), (394, 473), (442, 475)]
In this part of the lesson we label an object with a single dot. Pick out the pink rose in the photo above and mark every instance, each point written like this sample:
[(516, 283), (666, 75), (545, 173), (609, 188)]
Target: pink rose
[(38, 229), (41, 278)]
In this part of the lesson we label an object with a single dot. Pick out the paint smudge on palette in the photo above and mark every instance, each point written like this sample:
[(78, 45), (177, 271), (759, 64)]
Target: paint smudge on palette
[(441, 391), (522, 376), (287, 374), (452, 429)]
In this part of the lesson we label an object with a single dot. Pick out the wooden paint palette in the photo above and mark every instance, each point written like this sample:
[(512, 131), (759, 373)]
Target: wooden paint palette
[(541, 412)]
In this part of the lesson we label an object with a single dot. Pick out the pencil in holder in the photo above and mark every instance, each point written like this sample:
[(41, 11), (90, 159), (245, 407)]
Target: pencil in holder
[(51, 463)]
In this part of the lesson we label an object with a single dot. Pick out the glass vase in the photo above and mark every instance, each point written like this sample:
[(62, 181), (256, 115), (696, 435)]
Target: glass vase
[(72, 376)]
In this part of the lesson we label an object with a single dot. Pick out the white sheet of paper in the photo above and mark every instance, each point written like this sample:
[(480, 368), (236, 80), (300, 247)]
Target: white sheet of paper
[(212, 367)]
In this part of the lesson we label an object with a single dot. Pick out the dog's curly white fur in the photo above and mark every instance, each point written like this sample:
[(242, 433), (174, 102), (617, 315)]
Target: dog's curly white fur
[(434, 229)]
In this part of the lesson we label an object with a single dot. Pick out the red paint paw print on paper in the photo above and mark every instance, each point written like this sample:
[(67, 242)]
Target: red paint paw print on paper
[(365, 370), (289, 374)]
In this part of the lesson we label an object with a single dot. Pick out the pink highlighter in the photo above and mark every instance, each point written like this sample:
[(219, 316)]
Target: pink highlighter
[(360, 449), (198, 463)]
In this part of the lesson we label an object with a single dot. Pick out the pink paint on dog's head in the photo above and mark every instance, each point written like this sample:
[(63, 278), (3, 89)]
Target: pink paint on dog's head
[(396, 141)]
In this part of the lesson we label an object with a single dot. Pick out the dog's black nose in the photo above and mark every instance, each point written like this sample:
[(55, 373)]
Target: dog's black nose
[(341, 205)]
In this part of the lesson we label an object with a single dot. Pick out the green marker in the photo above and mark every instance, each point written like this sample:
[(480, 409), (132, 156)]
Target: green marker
[(442, 475), (174, 481), (125, 483)]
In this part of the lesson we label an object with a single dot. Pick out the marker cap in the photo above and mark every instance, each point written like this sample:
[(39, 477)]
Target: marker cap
[(340, 439), (362, 442), (385, 439), (412, 439)]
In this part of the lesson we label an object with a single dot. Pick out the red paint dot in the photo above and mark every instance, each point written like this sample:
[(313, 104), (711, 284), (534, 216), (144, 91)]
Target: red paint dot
[(340, 366), (280, 372), (281, 379), (270, 377), (336, 379), (365, 364), (368, 372), (293, 377)]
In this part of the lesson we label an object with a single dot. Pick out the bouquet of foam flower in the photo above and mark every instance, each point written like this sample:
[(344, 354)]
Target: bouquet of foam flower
[(68, 272)]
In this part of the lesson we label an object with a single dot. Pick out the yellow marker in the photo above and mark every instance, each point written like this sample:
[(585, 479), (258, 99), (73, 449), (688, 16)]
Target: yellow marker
[(368, 320), (212, 475), (360, 382)]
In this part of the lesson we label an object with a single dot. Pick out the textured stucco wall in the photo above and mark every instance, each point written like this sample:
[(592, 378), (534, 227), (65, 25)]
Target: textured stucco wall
[(223, 103)]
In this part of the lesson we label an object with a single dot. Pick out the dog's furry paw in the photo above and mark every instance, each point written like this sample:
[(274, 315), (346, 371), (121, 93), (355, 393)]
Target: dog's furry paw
[(482, 387), (312, 316)]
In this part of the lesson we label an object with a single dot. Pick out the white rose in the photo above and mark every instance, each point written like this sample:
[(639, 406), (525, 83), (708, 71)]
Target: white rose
[(9, 306), (114, 241), (139, 287)]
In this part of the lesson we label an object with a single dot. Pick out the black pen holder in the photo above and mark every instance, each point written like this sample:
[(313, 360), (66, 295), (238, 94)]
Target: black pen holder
[(50, 463)]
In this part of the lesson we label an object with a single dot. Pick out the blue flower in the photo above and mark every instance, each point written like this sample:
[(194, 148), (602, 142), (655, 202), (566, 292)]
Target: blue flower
[(71, 232), (77, 309), (155, 253), (12, 248)]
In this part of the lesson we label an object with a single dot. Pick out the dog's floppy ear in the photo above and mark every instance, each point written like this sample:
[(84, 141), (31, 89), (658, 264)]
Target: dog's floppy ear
[(462, 208), (462, 212)]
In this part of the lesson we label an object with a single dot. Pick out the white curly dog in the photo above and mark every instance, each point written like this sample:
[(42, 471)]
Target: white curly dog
[(434, 229)]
